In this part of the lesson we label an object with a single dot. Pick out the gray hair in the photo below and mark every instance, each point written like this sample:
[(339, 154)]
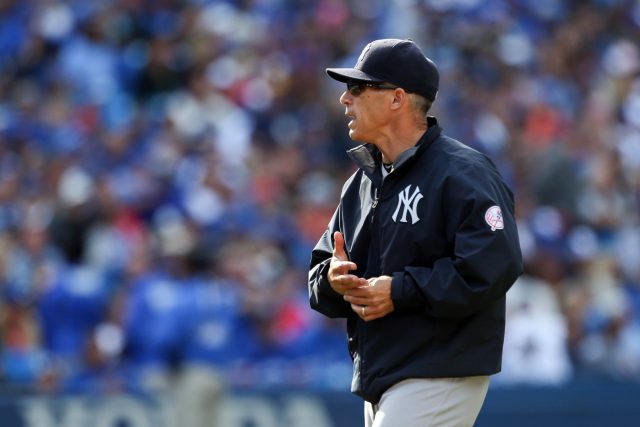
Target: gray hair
[(420, 104)]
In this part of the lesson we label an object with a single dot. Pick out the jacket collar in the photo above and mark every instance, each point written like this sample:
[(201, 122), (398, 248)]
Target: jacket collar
[(368, 158)]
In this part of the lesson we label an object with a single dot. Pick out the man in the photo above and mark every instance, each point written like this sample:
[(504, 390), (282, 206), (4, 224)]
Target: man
[(419, 253)]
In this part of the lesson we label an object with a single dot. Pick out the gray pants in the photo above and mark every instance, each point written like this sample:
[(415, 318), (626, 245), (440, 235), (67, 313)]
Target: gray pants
[(426, 402), (198, 394)]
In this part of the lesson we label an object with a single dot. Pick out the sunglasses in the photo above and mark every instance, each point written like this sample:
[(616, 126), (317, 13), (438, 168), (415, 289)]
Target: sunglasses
[(355, 88)]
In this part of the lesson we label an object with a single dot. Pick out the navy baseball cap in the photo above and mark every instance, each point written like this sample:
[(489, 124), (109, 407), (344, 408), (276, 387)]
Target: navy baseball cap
[(396, 61)]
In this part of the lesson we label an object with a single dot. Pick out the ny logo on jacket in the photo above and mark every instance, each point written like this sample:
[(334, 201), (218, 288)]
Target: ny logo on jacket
[(409, 202)]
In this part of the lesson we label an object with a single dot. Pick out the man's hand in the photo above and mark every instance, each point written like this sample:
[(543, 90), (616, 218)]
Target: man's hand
[(373, 300), (338, 274)]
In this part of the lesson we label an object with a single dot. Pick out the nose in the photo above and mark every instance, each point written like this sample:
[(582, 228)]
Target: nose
[(346, 98)]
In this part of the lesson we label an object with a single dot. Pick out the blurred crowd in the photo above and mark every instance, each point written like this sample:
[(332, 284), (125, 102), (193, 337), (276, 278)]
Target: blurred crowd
[(166, 167)]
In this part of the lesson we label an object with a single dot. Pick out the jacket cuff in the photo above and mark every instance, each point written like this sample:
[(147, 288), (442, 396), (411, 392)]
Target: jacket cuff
[(404, 293)]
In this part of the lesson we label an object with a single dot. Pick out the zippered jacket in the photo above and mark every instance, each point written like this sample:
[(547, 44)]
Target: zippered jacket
[(442, 225)]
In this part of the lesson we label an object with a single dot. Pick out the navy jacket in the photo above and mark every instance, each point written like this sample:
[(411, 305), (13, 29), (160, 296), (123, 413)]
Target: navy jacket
[(442, 225)]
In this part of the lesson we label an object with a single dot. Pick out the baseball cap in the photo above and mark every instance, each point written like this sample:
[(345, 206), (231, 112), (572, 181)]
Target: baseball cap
[(396, 61)]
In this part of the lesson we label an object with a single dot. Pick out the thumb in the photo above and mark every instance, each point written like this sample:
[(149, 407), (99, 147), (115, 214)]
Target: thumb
[(338, 247)]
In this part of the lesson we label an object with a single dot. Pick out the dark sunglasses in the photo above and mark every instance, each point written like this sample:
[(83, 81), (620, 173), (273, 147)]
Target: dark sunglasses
[(355, 88)]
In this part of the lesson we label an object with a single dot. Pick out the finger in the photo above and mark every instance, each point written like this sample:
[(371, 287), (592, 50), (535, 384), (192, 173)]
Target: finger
[(342, 267), (355, 282), (358, 310), (347, 280), (356, 300), (370, 312), (338, 246), (361, 291)]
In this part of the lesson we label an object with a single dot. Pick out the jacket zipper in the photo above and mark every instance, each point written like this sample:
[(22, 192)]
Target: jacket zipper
[(374, 204), (375, 244)]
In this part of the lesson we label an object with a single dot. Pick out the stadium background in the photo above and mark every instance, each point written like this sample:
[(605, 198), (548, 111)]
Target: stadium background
[(166, 167)]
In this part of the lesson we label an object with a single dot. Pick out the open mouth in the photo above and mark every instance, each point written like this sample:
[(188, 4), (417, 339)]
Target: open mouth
[(352, 119)]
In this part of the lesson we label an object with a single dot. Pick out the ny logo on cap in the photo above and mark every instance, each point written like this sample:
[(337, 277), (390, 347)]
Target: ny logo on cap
[(363, 55)]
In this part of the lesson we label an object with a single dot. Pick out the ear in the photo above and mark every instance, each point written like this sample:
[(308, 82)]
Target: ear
[(399, 99)]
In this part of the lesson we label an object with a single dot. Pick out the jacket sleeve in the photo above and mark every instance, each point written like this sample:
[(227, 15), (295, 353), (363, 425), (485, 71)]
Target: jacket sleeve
[(322, 297), (484, 260)]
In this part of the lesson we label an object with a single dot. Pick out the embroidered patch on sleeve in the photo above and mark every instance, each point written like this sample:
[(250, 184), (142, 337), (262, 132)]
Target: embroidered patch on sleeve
[(493, 216)]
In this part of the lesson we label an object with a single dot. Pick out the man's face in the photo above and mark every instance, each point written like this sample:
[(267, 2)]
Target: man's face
[(368, 112)]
